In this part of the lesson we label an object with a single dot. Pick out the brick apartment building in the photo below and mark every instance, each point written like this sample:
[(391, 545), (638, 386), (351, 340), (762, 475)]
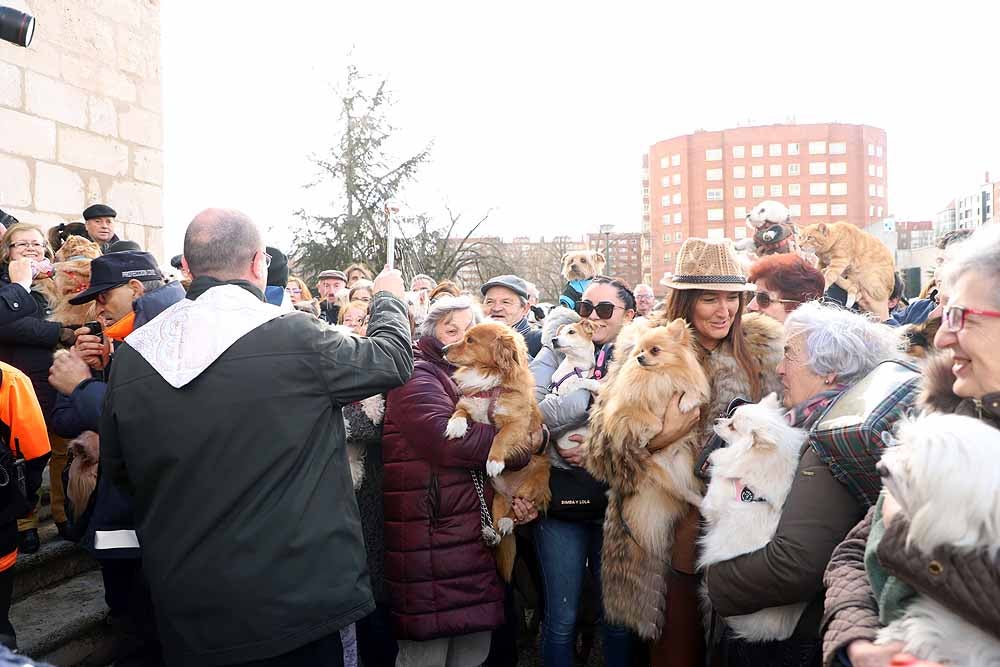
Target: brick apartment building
[(623, 252), (703, 184), (914, 234)]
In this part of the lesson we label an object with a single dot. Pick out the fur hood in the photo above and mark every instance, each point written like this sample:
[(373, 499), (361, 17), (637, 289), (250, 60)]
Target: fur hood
[(557, 317), (937, 395)]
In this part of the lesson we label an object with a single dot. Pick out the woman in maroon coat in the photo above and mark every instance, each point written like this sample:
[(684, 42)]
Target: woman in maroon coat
[(444, 590)]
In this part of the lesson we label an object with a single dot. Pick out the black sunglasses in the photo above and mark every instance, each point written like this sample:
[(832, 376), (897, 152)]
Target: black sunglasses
[(764, 300), (605, 309)]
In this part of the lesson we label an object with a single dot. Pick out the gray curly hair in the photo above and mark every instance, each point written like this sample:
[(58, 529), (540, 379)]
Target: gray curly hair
[(444, 308)]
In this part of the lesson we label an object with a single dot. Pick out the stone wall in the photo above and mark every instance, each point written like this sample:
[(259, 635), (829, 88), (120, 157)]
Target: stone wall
[(80, 116)]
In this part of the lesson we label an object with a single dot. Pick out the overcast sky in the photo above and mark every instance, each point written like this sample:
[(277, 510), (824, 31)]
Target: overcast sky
[(540, 111)]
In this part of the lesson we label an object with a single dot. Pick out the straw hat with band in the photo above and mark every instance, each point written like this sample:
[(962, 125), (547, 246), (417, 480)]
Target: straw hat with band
[(709, 264)]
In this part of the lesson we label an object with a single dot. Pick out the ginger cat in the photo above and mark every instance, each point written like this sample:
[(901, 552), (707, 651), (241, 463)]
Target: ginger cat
[(851, 258)]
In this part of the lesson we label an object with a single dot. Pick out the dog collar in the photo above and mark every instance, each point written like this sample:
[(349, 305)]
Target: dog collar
[(492, 395), (558, 383), (744, 494)]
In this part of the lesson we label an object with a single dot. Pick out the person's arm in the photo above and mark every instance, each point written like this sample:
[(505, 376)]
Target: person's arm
[(558, 412), (356, 367), (851, 612), (35, 332), (817, 514)]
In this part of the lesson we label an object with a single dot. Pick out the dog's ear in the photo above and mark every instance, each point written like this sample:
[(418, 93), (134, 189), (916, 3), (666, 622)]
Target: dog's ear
[(565, 257), (678, 330), (599, 258), (762, 439), (588, 326), (821, 228), (771, 401), (508, 353)]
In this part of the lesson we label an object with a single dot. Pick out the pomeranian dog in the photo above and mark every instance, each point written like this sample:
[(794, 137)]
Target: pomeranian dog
[(85, 451), (751, 478), (579, 268), (649, 491), (497, 388), (945, 474), (72, 276)]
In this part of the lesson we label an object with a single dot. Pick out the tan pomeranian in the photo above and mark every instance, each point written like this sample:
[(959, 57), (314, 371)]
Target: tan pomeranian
[(497, 388), (649, 491)]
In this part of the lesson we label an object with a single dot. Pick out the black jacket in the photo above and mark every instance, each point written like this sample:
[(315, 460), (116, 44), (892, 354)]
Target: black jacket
[(15, 303), (250, 531)]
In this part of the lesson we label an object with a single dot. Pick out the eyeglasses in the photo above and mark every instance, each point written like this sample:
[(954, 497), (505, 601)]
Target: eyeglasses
[(954, 316), (604, 310), (764, 300), (21, 245), (293, 290), (267, 261)]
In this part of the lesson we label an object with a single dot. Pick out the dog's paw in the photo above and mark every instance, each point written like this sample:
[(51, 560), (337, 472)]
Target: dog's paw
[(505, 526), (494, 468), (689, 401), (457, 426)]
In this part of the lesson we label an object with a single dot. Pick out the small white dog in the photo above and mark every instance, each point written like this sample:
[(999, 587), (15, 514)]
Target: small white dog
[(945, 475), (751, 478), (576, 371)]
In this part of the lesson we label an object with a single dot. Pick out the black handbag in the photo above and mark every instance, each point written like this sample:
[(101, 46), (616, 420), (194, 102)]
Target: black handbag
[(13, 485), (576, 496)]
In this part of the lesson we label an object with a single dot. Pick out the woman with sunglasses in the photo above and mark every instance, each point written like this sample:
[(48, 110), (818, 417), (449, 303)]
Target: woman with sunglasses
[(964, 379), (784, 282), (569, 538)]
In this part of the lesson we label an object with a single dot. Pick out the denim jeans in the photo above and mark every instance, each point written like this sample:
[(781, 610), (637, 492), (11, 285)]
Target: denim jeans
[(566, 549)]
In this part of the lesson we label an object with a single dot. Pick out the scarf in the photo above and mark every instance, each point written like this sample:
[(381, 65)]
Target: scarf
[(523, 327), (805, 414)]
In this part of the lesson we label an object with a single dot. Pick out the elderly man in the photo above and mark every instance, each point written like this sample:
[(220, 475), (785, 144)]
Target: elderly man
[(644, 299), (422, 283), (505, 299), (224, 417), (330, 282), (100, 222)]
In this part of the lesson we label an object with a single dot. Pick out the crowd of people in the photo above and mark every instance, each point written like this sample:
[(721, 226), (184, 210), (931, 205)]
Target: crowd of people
[(264, 476)]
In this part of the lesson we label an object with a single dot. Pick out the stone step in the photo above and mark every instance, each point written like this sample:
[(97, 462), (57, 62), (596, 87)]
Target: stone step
[(57, 560), (64, 624)]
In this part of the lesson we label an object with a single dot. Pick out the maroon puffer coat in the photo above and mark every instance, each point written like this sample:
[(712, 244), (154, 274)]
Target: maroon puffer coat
[(442, 580)]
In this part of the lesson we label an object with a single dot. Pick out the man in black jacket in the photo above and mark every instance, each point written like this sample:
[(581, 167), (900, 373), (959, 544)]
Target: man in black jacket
[(223, 416)]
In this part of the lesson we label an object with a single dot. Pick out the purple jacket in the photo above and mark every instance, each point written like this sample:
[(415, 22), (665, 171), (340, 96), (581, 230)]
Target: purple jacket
[(442, 580)]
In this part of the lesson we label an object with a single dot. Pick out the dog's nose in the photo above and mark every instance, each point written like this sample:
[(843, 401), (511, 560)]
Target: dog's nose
[(641, 359), (883, 470)]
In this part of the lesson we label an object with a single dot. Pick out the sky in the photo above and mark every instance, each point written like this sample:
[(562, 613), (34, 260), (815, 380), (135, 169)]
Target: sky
[(539, 112)]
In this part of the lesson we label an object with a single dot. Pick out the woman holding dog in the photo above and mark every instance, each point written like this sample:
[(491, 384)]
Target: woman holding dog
[(962, 378)]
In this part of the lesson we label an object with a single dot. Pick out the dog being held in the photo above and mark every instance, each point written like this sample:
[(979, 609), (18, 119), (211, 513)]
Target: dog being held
[(576, 371), (72, 276), (945, 474), (751, 477), (579, 268), (497, 388), (650, 491), (85, 451)]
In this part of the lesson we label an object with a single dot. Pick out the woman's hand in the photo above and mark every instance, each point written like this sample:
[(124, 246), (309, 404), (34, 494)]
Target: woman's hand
[(890, 508), (676, 424), (524, 511), (863, 653), (573, 455), (537, 440)]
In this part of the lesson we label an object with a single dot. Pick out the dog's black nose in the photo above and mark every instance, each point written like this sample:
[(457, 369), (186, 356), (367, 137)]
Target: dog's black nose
[(641, 359), (883, 470)]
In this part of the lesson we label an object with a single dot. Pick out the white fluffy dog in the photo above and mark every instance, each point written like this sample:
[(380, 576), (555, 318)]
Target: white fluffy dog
[(751, 477), (945, 475), (575, 371)]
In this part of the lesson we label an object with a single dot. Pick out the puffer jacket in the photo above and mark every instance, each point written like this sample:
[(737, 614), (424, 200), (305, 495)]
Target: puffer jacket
[(966, 583), (441, 577)]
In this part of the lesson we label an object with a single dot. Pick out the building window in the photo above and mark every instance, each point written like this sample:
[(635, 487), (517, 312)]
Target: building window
[(665, 182), (838, 209), (871, 189), (758, 191), (677, 198), (817, 168), (878, 151), (817, 209), (817, 148), (794, 170), (677, 179), (775, 170), (666, 218), (838, 189), (739, 192), (757, 150), (838, 168), (880, 190), (794, 189), (878, 171), (666, 255), (776, 190), (717, 233), (714, 194), (713, 174), (871, 169), (740, 213), (716, 214), (871, 149), (678, 236), (713, 154), (871, 211), (774, 150), (878, 212), (677, 218), (757, 171), (666, 237), (739, 152), (838, 148), (793, 149), (675, 160), (665, 200), (817, 188), (795, 210), (739, 172), (740, 232), (663, 162)]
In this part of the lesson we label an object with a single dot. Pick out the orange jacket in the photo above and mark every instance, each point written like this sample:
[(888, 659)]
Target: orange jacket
[(20, 414)]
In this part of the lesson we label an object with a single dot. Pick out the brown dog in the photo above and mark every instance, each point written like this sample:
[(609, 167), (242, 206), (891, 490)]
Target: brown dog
[(498, 389), (72, 276), (582, 264), (86, 452)]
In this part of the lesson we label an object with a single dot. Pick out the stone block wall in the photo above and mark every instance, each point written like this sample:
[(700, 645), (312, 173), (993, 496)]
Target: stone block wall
[(80, 116)]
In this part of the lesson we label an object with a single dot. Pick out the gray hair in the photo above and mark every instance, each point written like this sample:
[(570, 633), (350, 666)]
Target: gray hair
[(445, 307), (221, 243), (980, 254), (636, 288), (840, 342)]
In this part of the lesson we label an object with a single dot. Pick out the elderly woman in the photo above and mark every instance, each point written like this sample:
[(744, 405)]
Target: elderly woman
[(354, 316), (444, 590), (827, 350), (784, 282), (362, 290), (964, 379)]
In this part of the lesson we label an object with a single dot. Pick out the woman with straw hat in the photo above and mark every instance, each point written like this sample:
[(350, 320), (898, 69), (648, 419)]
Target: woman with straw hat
[(739, 352)]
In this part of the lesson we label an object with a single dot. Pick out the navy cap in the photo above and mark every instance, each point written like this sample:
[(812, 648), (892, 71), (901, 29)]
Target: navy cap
[(277, 272), (99, 211), (114, 270), (511, 282)]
